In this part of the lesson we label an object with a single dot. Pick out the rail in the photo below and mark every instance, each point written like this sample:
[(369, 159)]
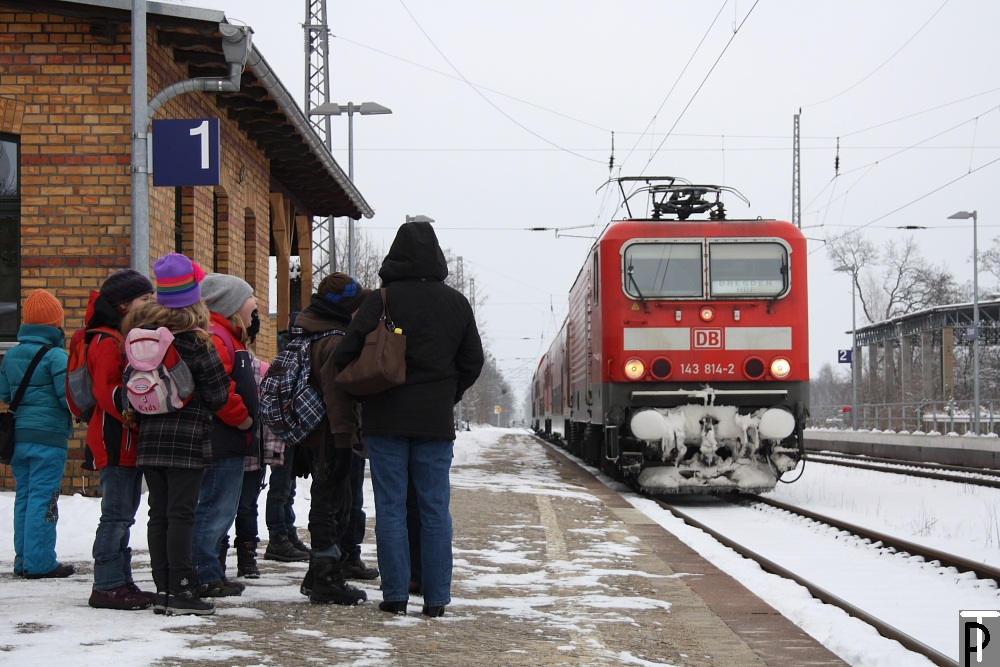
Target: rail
[(914, 417)]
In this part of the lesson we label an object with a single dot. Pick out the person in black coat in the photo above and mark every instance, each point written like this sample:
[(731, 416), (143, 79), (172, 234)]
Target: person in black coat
[(410, 429)]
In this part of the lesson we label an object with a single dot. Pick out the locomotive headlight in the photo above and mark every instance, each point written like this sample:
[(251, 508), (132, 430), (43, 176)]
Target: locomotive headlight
[(707, 313), (634, 368), (776, 424), (647, 425), (781, 367)]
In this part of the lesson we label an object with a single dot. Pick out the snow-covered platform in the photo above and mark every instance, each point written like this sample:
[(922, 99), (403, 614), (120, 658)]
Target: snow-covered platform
[(943, 448), (552, 567)]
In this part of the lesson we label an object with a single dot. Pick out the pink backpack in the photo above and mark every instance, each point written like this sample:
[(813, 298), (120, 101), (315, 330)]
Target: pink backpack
[(157, 380)]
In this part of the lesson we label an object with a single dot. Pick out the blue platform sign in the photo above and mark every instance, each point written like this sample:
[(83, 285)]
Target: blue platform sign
[(845, 356), (186, 152)]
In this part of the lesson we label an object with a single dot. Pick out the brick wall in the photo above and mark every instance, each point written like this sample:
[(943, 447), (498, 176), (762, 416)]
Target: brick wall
[(68, 97)]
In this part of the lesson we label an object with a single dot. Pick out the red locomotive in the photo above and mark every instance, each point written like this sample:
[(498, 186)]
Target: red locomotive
[(683, 363)]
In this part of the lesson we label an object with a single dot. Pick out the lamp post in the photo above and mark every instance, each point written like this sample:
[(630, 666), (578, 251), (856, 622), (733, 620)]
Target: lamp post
[(853, 270), (965, 215), (364, 109)]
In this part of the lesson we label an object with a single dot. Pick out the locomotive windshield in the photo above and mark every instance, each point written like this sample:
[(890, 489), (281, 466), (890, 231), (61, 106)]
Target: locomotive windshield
[(657, 270), (675, 269), (747, 269)]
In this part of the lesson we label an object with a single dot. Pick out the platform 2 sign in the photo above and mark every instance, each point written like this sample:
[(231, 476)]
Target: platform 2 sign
[(845, 356), (186, 152), (979, 637)]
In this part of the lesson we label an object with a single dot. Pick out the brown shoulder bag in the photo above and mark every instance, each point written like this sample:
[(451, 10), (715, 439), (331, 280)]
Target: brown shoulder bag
[(382, 362)]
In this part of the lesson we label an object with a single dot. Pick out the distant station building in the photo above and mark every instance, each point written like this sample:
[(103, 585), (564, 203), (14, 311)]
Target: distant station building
[(66, 168), (922, 362)]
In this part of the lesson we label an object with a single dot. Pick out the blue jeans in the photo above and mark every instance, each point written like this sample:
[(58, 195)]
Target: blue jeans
[(121, 490), (217, 502), (394, 462), (278, 513), (38, 471)]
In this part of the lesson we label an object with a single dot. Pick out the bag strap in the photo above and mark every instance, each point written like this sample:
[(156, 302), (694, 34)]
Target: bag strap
[(27, 376), (227, 338), (324, 334), (385, 309)]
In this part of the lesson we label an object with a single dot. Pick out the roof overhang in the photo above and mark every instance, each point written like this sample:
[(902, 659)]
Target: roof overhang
[(264, 109)]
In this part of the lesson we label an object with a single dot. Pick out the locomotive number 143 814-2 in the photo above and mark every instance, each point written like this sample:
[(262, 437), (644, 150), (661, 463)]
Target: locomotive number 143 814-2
[(708, 368)]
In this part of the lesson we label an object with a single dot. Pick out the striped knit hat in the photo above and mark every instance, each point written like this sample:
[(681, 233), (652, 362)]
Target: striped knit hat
[(177, 279)]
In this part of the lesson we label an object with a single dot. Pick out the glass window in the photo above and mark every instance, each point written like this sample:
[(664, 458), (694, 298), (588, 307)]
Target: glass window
[(747, 269), (657, 270), (10, 238)]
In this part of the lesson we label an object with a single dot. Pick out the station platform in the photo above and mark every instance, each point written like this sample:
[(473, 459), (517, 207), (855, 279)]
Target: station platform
[(551, 568)]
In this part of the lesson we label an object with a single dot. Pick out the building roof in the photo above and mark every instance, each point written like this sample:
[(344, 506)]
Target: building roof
[(263, 108)]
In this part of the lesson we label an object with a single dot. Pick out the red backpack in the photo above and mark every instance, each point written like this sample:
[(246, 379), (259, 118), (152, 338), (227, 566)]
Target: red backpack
[(79, 384)]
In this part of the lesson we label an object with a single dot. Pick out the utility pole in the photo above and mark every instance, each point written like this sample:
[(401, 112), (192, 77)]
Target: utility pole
[(317, 36)]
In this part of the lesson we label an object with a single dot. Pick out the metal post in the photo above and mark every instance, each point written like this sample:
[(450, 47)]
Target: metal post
[(965, 215), (140, 138), (350, 175), (854, 351), (975, 321)]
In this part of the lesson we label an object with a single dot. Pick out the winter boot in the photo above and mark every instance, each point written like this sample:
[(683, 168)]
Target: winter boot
[(293, 537), (307, 581), (279, 548), (329, 585), (219, 589), (246, 560), (356, 569), (118, 598), (187, 602)]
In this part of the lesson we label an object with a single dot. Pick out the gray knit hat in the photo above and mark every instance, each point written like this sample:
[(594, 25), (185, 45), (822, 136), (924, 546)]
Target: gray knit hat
[(225, 294)]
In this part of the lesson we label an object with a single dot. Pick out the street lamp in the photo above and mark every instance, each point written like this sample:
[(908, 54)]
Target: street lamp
[(965, 215), (853, 270), (418, 218), (364, 109)]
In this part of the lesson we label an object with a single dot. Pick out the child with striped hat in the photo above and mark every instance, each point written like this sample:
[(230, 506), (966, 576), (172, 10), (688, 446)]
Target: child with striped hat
[(174, 447)]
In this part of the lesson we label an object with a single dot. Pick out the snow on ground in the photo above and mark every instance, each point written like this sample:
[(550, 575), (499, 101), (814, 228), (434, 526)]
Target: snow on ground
[(44, 621)]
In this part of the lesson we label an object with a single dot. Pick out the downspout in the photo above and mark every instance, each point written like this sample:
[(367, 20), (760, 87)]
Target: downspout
[(236, 44)]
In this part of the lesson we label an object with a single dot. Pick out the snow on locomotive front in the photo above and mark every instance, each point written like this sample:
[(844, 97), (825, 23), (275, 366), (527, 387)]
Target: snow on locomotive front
[(685, 359)]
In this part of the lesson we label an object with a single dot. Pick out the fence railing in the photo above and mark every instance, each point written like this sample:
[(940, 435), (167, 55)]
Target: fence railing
[(923, 417)]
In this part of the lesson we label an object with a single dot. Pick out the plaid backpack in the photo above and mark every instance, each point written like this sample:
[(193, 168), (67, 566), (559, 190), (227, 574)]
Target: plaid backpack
[(289, 404)]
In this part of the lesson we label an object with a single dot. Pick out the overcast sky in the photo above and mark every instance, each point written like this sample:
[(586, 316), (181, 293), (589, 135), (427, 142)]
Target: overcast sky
[(503, 114)]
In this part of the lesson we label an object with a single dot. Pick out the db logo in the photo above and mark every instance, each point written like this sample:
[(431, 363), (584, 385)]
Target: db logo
[(707, 339)]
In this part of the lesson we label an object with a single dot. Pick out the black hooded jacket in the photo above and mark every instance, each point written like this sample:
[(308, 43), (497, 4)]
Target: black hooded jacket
[(444, 353)]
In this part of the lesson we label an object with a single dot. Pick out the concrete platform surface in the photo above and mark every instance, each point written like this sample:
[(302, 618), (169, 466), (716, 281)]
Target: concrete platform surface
[(551, 568)]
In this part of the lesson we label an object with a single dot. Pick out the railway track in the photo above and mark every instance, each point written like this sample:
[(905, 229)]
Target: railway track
[(826, 596), (878, 540), (965, 475)]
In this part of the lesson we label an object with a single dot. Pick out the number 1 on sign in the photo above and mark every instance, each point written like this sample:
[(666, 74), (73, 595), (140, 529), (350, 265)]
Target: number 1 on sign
[(203, 131)]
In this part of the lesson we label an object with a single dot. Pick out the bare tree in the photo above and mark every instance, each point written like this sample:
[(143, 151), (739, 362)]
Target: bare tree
[(895, 280)]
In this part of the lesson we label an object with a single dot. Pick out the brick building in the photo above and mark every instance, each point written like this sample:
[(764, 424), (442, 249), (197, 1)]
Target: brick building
[(66, 163)]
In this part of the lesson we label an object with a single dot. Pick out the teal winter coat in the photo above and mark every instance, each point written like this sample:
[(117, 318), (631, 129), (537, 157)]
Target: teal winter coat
[(43, 416)]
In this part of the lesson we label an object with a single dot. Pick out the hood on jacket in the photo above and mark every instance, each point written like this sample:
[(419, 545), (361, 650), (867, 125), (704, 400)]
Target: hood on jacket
[(43, 334), (321, 315), (100, 313), (414, 255)]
